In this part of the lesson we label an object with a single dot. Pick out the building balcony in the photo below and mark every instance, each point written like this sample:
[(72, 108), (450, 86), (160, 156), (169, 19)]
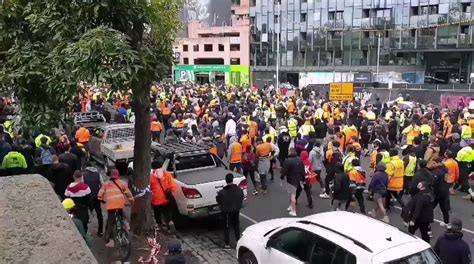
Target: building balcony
[(464, 41), (335, 24), (379, 23)]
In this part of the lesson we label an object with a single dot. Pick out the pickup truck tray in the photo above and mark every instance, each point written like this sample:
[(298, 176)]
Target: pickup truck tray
[(114, 153)]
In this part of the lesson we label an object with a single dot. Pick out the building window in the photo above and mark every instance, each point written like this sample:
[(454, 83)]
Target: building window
[(413, 32), (464, 29), (415, 11), (433, 9), (303, 18), (185, 47), (208, 47), (185, 61), (221, 47), (466, 7), (335, 15), (365, 13), (275, 19), (196, 47), (235, 61), (234, 47)]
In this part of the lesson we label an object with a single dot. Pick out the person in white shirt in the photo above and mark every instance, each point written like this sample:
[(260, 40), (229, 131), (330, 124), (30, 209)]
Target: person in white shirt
[(230, 128)]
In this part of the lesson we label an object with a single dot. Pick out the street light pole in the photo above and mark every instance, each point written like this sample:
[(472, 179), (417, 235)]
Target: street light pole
[(278, 49), (378, 55)]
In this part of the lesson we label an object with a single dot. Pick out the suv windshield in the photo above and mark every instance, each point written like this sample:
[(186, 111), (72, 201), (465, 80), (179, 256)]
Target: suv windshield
[(193, 162), (423, 257)]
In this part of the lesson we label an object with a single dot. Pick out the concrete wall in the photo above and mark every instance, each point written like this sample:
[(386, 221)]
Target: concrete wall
[(34, 228)]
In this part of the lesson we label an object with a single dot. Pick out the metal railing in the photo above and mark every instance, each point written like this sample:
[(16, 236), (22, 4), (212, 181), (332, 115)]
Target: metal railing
[(457, 87)]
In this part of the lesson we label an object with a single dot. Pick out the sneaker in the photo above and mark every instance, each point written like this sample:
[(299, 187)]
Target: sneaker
[(371, 214), (442, 224), (291, 213), (324, 196), (366, 191), (172, 227), (405, 224), (323, 191), (430, 234), (385, 219), (110, 244), (255, 192), (289, 208), (467, 197), (226, 247)]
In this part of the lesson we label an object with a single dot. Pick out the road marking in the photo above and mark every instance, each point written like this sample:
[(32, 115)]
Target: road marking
[(249, 218), (439, 221)]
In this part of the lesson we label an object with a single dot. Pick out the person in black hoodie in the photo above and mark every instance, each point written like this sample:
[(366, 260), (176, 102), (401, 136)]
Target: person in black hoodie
[(92, 178), (60, 176), (341, 191), (423, 174), (450, 247), (295, 174), (230, 200), (420, 213), (441, 191)]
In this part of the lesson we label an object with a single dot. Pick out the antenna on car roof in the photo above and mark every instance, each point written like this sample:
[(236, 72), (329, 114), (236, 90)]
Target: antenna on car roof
[(389, 239)]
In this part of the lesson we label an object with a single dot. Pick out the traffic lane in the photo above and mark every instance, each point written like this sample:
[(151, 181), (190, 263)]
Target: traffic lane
[(273, 205)]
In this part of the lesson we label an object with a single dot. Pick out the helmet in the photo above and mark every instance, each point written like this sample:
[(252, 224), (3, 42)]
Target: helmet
[(68, 204)]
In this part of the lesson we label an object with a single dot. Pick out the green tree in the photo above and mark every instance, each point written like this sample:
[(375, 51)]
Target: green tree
[(48, 47)]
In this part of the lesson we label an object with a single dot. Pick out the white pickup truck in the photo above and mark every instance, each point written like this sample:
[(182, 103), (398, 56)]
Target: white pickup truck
[(113, 145), (198, 174)]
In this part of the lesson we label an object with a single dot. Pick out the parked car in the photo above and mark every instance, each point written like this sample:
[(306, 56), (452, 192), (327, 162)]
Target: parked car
[(331, 237), (198, 174)]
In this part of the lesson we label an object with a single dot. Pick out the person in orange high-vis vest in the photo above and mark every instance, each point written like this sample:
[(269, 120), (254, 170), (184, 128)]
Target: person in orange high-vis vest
[(235, 154), (156, 128), (253, 130), (453, 170), (395, 171), (245, 141), (114, 194), (163, 189)]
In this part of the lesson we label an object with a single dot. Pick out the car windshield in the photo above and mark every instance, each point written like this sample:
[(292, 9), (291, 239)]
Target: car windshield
[(423, 257), (194, 162)]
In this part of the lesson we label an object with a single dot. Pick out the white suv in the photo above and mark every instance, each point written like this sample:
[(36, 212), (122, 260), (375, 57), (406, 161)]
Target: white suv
[(331, 238)]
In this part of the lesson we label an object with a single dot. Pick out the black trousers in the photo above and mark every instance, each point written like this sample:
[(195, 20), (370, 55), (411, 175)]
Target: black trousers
[(444, 206), (250, 172), (463, 184), (98, 211), (359, 195), (307, 190), (407, 183), (397, 195), (424, 228), (231, 219), (329, 177), (155, 136), (110, 226), (162, 214)]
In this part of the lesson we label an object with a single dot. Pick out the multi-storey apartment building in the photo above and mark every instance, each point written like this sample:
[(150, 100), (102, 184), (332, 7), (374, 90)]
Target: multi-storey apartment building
[(322, 41)]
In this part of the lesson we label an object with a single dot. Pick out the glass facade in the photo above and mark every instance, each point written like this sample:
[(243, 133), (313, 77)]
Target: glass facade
[(341, 33)]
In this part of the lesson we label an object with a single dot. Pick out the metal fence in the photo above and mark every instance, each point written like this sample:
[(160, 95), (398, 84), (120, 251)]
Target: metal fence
[(457, 87)]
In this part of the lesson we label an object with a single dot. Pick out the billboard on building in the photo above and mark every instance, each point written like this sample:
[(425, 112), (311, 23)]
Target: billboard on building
[(208, 12)]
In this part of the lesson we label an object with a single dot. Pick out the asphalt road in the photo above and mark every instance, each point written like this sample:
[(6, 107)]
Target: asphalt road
[(273, 205)]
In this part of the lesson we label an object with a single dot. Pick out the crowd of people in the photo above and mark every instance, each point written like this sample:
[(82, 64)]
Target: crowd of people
[(414, 150)]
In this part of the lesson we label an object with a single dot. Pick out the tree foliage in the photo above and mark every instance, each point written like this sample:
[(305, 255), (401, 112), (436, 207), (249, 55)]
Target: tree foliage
[(47, 47)]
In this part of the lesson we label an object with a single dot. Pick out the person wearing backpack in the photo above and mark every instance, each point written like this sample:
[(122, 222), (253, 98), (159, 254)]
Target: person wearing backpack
[(249, 166), (44, 157)]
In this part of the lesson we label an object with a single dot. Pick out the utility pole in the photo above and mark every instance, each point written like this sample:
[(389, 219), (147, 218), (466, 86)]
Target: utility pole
[(378, 55), (278, 49)]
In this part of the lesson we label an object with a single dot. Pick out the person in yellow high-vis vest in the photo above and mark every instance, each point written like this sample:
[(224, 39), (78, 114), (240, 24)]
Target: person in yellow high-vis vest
[(409, 161), (396, 172)]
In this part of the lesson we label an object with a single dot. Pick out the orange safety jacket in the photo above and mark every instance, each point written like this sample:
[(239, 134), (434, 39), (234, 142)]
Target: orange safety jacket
[(114, 197), (158, 197), (166, 111), (156, 126), (356, 177), (245, 141), (180, 124), (236, 156), (453, 171)]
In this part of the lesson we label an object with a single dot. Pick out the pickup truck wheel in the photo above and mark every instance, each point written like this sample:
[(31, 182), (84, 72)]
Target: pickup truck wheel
[(248, 258)]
